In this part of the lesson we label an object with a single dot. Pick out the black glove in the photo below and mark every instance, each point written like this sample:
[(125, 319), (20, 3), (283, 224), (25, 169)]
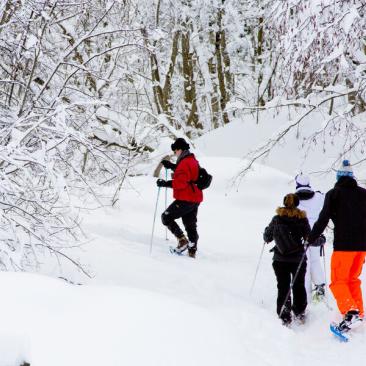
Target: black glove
[(168, 164), (322, 239), (164, 183), (319, 241)]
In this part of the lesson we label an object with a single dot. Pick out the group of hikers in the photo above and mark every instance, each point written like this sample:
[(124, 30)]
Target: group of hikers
[(297, 231)]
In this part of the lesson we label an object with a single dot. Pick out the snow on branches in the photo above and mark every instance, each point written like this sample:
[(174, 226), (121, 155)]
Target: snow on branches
[(322, 43), (61, 62)]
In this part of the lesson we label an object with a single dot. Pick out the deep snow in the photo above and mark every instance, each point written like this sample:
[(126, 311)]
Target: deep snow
[(168, 310)]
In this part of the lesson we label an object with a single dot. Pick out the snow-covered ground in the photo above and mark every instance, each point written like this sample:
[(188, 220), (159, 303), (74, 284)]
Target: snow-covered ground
[(159, 309)]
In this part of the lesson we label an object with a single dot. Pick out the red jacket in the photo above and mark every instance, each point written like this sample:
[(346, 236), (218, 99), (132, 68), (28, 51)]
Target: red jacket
[(186, 172)]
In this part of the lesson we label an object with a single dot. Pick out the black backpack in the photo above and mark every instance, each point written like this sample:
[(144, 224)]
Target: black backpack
[(204, 179), (286, 243)]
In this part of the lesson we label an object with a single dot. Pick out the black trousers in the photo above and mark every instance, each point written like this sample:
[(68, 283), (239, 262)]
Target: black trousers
[(285, 271), (187, 211)]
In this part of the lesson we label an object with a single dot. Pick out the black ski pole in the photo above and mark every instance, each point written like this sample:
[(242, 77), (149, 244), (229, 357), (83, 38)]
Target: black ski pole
[(294, 279)]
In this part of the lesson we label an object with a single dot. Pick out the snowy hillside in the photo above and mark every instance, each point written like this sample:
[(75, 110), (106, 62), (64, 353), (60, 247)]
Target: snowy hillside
[(168, 310), (293, 153)]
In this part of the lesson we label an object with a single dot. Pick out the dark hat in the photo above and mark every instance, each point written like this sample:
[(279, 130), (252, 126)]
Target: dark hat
[(180, 144), (291, 200)]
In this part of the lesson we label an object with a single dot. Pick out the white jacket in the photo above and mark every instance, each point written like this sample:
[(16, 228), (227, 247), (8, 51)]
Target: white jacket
[(312, 206)]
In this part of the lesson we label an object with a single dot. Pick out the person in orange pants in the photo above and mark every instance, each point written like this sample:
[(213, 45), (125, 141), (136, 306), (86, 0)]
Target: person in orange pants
[(345, 284), (345, 205)]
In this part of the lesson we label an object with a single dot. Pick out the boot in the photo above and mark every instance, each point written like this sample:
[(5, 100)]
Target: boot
[(319, 292), (182, 244), (300, 318), (286, 317), (192, 248), (351, 320), (192, 253)]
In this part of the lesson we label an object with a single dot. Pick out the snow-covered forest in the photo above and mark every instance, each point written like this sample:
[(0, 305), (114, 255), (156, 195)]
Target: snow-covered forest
[(94, 92)]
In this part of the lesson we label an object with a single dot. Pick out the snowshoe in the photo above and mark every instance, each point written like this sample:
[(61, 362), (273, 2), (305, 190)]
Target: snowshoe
[(176, 251), (350, 321), (338, 333)]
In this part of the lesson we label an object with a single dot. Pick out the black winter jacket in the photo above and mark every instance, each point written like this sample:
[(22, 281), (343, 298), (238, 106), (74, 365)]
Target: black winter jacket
[(345, 205), (297, 224)]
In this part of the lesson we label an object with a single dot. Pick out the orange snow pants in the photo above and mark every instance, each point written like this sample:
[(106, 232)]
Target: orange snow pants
[(346, 267)]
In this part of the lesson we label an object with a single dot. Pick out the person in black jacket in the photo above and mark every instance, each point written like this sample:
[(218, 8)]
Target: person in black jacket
[(288, 229), (345, 205)]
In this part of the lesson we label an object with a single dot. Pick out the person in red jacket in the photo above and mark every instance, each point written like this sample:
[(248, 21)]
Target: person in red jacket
[(187, 197)]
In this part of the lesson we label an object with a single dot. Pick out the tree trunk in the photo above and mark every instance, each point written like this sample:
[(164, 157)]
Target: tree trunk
[(189, 84), (215, 111), (260, 100), (220, 67), (167, 90)]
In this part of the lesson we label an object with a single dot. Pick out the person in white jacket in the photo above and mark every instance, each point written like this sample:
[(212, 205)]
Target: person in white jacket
[(312, 203)]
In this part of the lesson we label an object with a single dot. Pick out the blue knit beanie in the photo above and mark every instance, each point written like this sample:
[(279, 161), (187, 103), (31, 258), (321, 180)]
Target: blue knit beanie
[(345, 170)]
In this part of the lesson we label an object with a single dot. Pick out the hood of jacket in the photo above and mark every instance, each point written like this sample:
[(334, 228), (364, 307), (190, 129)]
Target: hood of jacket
[(291, 212), (305, 194), (183, 155)]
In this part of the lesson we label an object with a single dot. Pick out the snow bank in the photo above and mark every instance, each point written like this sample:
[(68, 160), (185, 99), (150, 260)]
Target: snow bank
[(91, 325)]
